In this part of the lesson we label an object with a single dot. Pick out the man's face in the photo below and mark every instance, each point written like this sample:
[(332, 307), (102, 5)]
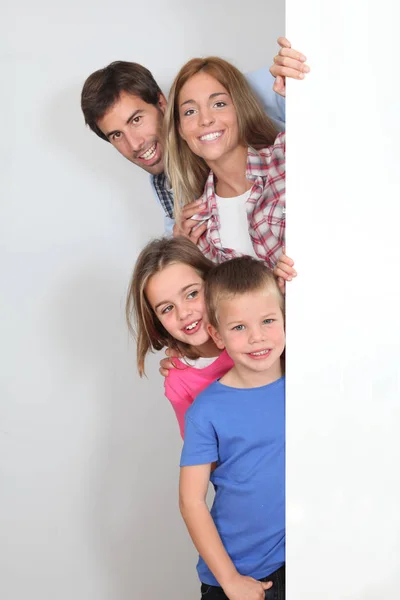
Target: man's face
[(134, 128)]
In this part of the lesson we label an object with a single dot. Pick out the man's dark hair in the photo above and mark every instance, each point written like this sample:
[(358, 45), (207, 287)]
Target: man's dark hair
[(103, 88)]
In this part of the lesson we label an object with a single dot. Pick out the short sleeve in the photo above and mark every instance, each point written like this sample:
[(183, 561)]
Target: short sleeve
[(200, 445)]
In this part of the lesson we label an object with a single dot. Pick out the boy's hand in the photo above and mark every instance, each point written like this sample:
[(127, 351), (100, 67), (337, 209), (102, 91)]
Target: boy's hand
[(242, 587), (188, 227), (287, 63), (166, 364)]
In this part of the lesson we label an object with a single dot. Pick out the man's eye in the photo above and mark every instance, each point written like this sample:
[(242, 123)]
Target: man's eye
[(136, 120), (116, 136)]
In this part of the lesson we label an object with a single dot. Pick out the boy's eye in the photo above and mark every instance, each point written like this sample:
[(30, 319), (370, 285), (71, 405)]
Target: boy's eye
[(238, 328), (268, 321)]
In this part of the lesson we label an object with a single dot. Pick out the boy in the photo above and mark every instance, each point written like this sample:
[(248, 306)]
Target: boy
[(239, 422)]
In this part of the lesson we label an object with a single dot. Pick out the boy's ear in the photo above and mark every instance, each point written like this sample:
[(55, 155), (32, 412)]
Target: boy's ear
[(216, 337)]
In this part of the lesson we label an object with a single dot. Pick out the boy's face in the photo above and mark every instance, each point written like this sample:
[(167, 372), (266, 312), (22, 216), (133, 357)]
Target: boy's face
[(251, 328), (134, 128)]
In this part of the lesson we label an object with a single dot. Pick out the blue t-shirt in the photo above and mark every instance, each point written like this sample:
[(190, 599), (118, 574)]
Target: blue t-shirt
[(243, 430)]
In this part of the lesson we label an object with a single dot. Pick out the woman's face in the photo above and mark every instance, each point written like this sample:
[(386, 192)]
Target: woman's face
[(207, 117), (176, 295)]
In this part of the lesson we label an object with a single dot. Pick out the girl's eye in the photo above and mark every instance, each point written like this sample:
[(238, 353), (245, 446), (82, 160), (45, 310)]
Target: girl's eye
[(166, 310), (238, 328), (193, 294)]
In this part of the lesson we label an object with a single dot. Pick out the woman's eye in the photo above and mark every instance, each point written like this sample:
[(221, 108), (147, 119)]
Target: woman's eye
[(220, 104), (189, 112)]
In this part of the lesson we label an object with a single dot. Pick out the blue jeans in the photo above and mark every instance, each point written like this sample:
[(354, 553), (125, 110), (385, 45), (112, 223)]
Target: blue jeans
[(277, 592)]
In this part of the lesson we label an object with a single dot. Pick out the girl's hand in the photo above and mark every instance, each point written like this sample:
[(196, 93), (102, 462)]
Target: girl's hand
[(166, 364), (242, 587)]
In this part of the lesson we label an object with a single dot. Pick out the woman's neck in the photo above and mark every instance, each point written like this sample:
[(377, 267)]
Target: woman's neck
[(230, 173)]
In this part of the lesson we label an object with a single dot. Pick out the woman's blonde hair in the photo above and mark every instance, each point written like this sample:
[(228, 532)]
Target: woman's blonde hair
[(142, 321), (188, 172)]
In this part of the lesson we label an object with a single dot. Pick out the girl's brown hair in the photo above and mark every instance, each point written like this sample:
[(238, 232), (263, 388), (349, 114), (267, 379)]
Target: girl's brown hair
[(188, 172), (143, 323)]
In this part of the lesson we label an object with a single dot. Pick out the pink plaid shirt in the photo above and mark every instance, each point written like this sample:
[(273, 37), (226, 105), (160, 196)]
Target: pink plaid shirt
[(265, 207)]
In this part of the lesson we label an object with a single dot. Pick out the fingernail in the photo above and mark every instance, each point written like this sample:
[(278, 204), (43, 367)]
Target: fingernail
[(303, 58), (294, 273), (301, 75), (306, 69)]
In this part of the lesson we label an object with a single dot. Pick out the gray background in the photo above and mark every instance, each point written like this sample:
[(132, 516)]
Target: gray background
[(89, 452)]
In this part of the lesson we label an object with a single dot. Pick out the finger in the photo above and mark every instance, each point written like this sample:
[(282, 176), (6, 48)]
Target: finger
[(278, 70), (267, 585), (286, 268), (279, 86), (281, 273), (285, 259), (191, 209), (292, 63), (291, 53), (163, 372), (284, 42), (197, 232)]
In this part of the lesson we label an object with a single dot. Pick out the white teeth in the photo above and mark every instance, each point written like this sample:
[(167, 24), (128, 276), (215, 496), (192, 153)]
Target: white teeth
[(211, 136), (260, 353), (192, 325), (149, 153)]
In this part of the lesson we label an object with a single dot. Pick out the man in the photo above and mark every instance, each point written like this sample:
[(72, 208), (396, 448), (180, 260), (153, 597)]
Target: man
[(124, 105)]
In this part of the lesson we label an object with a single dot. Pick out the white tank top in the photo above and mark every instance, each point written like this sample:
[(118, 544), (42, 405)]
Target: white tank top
[(234, 229)]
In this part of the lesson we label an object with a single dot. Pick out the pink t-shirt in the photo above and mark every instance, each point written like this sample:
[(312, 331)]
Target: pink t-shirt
[(184, 383)]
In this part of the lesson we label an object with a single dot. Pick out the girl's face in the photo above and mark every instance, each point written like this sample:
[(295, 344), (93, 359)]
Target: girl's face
[(176, 294), (207, 117)]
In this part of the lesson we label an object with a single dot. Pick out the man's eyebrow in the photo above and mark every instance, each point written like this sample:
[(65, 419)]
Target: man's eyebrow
[(129, 119), (182, 291), (210, 98)]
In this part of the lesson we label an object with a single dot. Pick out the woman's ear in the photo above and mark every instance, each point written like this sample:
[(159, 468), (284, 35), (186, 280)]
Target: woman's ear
[(216, 337)]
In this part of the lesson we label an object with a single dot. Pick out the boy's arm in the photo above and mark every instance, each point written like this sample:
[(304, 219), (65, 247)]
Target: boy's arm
[(193, 487)]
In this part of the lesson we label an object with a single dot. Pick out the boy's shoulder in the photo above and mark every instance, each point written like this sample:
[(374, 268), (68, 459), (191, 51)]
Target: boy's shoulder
[(206, 402)]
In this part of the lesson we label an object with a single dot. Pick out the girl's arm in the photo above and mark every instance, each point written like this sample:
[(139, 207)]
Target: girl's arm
[(193, 487)]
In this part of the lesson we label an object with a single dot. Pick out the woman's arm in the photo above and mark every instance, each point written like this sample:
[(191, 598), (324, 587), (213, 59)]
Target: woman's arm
[(193, 487)]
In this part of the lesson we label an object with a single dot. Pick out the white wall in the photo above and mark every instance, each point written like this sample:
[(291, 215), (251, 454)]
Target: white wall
[(88, 452), (343, 393)]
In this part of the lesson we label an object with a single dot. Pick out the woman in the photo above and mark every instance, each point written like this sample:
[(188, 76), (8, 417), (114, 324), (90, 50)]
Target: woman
[(221, 147)]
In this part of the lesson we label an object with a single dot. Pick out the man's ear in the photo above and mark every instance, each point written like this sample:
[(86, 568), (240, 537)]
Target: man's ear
[(162, 102), (216, 337)]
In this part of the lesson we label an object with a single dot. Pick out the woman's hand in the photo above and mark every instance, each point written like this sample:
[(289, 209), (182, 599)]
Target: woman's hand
[(166, 364), (242, 587), (188, 227), (284, 271), (287, 63)]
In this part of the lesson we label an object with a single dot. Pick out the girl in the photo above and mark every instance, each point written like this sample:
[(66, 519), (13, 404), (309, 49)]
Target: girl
[(165, 308), (221, 147)]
